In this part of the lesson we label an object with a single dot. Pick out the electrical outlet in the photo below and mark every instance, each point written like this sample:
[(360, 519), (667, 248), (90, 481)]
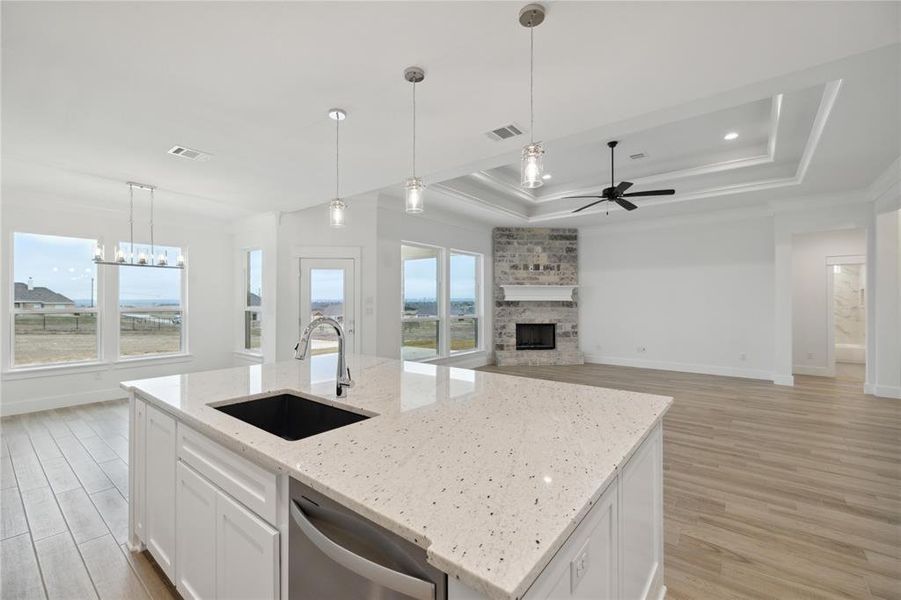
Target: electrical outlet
[(578, 567), (641, 349), (743, 356)]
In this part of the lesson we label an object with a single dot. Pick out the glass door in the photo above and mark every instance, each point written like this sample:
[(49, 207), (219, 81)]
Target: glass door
[(327, 289)]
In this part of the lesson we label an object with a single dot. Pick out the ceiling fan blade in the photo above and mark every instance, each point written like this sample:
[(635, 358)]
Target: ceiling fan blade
[(589, 205), (622, 187), (625, 204), (651, 193)]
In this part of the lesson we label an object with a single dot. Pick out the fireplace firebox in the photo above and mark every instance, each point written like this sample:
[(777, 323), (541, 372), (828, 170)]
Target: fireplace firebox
[(536, 336)]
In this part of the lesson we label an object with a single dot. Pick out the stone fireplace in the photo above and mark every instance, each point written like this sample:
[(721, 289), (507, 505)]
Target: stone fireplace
[(532, 265)]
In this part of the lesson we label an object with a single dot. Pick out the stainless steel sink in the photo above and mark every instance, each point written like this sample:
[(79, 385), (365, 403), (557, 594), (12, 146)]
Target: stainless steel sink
[(290, 417)]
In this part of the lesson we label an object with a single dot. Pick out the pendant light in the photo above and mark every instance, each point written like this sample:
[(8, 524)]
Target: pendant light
[(142, 259), (532, 167), (413, 188), (337, 207)]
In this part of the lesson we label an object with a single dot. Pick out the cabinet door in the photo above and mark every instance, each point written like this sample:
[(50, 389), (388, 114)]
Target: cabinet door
[(195, 551), (247, 553), (159, 508), (585, 568), (641, 525), (137, 451)]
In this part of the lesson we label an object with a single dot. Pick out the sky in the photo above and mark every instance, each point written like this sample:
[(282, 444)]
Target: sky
[(65, 265)]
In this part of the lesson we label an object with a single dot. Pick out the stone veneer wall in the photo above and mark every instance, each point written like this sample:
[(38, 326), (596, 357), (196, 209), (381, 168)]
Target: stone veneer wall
[(536, 256)]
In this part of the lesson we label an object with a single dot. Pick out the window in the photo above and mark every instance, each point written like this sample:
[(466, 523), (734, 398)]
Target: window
[(151, 315), (420, 337), (440, 320), (253, 303), (54, 300), (464, 310)]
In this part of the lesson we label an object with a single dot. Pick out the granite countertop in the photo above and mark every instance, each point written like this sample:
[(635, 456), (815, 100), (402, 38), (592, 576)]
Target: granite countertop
[(489, 473)]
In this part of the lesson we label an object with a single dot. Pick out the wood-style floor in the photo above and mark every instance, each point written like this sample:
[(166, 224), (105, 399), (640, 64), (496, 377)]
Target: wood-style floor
[(64, 510), (770, 491)]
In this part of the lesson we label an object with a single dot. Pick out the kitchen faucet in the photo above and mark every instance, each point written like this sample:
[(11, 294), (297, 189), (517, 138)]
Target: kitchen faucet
[(301, 347)]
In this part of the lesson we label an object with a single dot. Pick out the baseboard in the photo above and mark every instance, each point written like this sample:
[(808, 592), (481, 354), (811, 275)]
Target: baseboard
[(662, 594), (886, 391), (788, 380), (812, 370), (683, 367), (49, 402)]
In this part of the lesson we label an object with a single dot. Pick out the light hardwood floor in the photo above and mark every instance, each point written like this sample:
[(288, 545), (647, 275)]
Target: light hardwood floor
[(769, 492), (64, 510)]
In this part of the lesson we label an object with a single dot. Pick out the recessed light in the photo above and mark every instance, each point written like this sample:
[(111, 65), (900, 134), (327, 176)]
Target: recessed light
[(732, 135), (546, 176)]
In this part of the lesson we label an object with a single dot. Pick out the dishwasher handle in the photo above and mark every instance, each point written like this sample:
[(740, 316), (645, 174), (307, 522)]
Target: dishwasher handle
[(389, 578)]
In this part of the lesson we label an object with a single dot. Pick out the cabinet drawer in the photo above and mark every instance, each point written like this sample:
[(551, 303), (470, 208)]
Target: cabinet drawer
[(247, 482)]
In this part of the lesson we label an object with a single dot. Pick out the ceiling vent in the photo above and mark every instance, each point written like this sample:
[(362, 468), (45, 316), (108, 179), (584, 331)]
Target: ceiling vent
[(505, 132), (190, 153), (638, 156)]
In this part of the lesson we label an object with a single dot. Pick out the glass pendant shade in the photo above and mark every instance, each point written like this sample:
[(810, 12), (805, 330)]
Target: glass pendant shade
[(336, 213), (532, 165), (413, 192)]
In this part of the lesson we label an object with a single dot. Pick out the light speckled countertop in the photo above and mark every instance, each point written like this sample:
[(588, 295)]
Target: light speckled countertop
[(489, 473)]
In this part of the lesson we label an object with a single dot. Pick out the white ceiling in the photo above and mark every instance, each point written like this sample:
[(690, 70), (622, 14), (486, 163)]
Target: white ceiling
[(94, 94)]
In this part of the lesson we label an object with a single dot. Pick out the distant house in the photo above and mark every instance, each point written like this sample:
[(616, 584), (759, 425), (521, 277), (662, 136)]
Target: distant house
[(29, 296), (253, 299)]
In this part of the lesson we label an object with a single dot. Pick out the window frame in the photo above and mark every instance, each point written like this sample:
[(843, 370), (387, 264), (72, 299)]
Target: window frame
[(182, 308), (478, 308), (247, 307), (443, 300), (13, 311), (439, 300)]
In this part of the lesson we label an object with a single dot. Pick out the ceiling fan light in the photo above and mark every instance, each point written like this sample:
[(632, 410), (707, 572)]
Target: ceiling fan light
[(413, 192), (336, 213), (532, 168)]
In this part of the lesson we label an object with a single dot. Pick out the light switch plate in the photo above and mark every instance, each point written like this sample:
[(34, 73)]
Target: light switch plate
[(578, 567)]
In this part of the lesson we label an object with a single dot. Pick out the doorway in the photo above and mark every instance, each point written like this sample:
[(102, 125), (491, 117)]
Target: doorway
[(327, 289), (847, 326)]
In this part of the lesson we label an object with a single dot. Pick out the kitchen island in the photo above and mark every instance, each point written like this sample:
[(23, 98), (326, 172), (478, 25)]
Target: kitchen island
[(513, 487)]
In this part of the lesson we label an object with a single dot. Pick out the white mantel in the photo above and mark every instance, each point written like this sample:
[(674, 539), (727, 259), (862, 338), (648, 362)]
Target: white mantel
[(538, 293)]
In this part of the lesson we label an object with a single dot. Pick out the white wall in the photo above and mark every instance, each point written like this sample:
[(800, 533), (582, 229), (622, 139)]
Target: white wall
[(309, 229), (375, 227), (697, 296), (810, 299), (208, 247), (438, 229), (887, 301)]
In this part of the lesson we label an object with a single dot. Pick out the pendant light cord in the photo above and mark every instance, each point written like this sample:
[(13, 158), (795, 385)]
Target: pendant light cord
[(414, 129), (337, 156), (131, 220), (152, 246), (531, 82)]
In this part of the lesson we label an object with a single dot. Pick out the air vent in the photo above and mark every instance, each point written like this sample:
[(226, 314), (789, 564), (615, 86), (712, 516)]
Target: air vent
[(637, 156), (190, 153), (505, 132)]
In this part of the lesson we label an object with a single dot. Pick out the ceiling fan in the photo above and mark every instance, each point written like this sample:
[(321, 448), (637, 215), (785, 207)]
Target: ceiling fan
[(615, 193)]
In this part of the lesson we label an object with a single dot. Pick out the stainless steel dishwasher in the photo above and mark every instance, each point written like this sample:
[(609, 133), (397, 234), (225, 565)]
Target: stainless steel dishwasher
[(334, 554)]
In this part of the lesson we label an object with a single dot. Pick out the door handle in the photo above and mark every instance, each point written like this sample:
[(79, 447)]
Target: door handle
[(389, 578)]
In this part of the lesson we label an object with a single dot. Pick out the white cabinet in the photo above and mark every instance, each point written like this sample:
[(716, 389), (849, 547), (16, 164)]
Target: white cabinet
[(616, 552), (196, 535), (586, 567), (159, 492), (207, 543), (641, 521), (247, 555)]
